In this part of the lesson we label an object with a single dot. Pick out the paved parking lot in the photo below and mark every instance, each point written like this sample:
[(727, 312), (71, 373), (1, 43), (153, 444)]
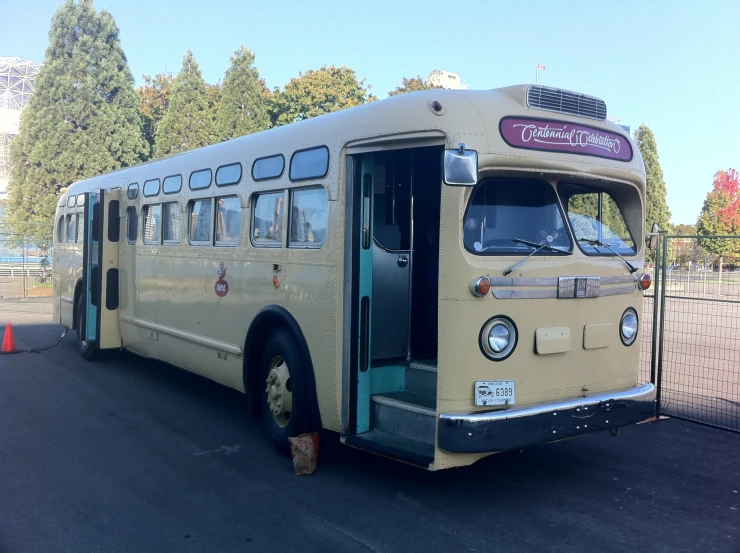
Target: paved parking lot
[(134, 455)]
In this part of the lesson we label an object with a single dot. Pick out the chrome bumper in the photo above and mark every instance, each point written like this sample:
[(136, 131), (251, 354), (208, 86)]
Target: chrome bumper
[(515, 428)]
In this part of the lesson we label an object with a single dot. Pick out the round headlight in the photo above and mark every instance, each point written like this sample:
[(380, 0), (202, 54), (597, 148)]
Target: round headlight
[(498, 338), (628, 327)]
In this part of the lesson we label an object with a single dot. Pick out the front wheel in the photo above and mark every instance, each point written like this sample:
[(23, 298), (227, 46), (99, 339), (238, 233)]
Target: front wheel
[(285, 394), (87, 349)]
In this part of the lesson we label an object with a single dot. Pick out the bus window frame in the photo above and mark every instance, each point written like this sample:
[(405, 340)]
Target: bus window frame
[(68, 218), (144, 212), (171, 242), (159, 188), (128, 225), (61, 229), (71, 200), (132, 191), (210, 179), (164, 182), (297, 245), (241, 174), (253, 202), (313, 177), (254, 163), (222, 243), (190, 206)]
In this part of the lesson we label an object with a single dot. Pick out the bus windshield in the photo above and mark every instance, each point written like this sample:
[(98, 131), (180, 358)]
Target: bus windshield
[(502, 210), (596, 221)]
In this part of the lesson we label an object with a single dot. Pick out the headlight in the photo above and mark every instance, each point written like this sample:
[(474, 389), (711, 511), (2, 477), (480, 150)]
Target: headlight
[(498, 338), (628, 327)]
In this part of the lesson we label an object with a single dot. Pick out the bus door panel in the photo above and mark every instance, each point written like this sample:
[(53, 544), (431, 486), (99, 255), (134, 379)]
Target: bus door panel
[(100, 268)]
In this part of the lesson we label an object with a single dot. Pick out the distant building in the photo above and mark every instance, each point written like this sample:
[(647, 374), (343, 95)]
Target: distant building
[(445, 79), (16, 86)]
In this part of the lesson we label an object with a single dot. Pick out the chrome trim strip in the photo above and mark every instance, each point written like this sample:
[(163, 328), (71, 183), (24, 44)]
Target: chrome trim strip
[(184, 335), (618, 291), (67, 299), (344, 417), (410, 407), (512, 428), (622, 279), (524, 282), (524, 294), (419, 366)]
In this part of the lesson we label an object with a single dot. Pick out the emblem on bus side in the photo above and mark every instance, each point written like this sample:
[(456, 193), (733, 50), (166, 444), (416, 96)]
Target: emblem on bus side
[(222, 287)]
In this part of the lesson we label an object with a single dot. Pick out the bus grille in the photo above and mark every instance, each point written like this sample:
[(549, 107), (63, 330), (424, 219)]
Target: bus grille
[(562, 101)]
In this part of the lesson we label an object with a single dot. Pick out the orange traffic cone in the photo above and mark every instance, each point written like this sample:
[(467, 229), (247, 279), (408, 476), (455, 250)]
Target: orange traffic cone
[(8, 343)]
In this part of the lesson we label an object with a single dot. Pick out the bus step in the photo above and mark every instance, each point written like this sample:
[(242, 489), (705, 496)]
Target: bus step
[(421, 379), (404, 414), (382, 443)]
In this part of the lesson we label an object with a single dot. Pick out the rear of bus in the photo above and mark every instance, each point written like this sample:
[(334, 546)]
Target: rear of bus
[(541, 278)]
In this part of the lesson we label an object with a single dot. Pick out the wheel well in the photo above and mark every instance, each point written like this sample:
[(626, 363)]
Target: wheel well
[(269, 320)]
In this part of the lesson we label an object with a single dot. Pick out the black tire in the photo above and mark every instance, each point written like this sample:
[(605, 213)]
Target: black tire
[(87, 349), (281, 345)]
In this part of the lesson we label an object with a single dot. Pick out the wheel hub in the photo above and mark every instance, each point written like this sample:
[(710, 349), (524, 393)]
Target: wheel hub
[(279, 394)]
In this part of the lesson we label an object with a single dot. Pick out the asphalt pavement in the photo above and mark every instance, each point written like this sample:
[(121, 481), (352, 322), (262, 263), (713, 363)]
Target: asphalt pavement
[(135, 455)]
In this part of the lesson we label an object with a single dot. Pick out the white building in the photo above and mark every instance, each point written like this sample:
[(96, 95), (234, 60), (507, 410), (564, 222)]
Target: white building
[(16, 86), (445, 79)]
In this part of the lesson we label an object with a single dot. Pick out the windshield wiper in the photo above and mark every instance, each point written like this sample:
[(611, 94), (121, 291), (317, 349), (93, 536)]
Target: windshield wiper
[(537, 247), (608, 247)]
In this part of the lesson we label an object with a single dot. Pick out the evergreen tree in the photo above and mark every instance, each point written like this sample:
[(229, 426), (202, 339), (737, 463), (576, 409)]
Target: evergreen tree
[(82, 119), (154, 99), (656, 206), (189, 122), (243, 107)]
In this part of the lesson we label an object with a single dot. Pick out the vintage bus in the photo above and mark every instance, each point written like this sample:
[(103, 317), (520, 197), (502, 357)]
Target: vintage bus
[(437, 276)]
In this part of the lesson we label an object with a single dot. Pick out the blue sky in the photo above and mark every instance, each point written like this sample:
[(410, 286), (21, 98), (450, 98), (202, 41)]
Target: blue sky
[(670, 64)]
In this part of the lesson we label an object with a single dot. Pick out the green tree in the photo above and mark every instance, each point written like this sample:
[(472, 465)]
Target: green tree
[(413, 84), (316, 92), (82, 119), (656, 206), (154, 99), (720, 216), (243, 107), (189, 122)]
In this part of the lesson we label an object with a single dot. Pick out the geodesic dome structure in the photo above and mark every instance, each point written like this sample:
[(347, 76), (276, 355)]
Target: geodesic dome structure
[(16, 86)]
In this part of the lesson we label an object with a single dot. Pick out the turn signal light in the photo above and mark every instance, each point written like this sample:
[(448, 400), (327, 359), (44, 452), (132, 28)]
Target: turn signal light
[(645, 281), (480, 286)]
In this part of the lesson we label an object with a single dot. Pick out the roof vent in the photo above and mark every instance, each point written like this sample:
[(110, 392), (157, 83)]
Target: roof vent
[(563, 101)]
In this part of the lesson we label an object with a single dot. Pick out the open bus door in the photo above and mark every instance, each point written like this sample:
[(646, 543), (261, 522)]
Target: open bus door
[(100, 269)]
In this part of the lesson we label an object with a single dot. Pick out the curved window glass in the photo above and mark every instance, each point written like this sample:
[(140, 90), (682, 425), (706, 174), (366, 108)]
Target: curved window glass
[(596, 220), (71, 201), (172, 184), (504, 214), (309, 164), (228, 174), (151, 187), (200, 179), (133, 190), (308, 218), (268, 167)]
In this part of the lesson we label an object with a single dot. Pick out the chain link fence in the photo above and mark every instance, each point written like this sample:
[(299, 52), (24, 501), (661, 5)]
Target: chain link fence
[(26, 282)]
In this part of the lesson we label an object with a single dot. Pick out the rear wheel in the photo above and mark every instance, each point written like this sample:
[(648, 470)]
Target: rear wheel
[(87, 349), (284, 390)]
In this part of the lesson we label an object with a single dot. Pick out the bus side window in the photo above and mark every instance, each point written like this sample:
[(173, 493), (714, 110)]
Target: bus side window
[(60, 229), (71, 230), (80, 227), (152, 223), (200, 222), (267, 220), (172, 223), (228, 221), (132, 225), (308, 218)]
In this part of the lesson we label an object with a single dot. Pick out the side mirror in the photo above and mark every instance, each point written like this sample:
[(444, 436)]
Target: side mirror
[(461, 167), (653, 243)]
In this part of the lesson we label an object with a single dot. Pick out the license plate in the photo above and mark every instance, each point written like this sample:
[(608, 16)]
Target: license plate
[(495, 392)]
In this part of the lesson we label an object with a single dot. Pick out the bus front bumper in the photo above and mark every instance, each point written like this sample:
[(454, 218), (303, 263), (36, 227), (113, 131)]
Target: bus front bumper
[(515, 428)]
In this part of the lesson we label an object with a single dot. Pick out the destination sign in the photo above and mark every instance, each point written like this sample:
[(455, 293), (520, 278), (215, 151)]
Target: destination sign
[(560, 136)]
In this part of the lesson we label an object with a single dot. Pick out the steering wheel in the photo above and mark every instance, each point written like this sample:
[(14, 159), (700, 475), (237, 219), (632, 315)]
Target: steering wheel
[(552, 237)]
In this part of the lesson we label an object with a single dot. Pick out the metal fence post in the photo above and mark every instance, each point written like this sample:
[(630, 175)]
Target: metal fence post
[(659, 375), (656, 298)]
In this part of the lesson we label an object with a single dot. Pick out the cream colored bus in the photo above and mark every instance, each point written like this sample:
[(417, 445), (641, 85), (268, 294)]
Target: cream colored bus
[(437, 276)]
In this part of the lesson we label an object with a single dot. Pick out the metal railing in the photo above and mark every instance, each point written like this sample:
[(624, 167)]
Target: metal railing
[(26, 282)]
